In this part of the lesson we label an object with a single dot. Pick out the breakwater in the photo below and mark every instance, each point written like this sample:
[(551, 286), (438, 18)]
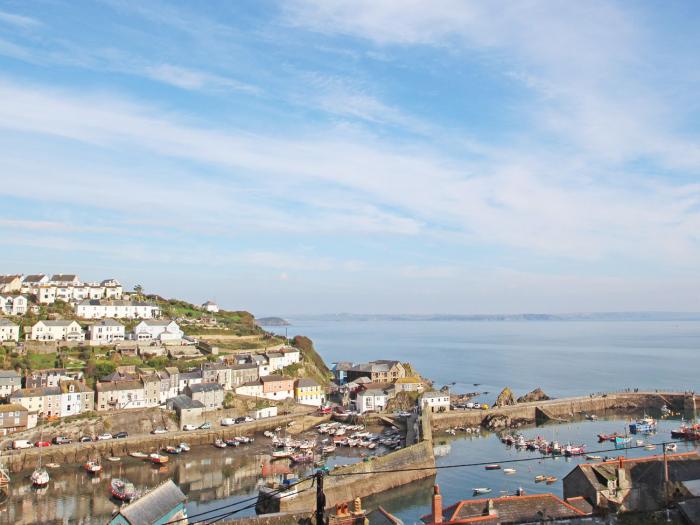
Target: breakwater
[(76, 453), (363, 479), (565, 409)]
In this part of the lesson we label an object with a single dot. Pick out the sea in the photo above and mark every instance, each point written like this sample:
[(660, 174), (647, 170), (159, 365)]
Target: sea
[(563, 358)]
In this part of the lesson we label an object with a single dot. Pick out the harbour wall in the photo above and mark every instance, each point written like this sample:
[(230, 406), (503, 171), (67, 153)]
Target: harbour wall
[(363, 479), (564, 409), (76, 453)]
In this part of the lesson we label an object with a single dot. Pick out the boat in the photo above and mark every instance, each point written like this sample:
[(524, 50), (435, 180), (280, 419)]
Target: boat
[(219, 443), (608, 437), (509, 471), (139, 455), (574, 450), (591, 417), (550, 480), (185, 447), (53, 465), (173, 450), (284, 453), (691, 433), (540, 478), (593, 457), (481, 490), (649, 446), (639, 442), (328, 449), (643, 426), (122, 490), (493, 466), (158, 459), (92, 467), (232, 442), (303, 457), (621, 440), (113, 459), (671, 447), (40, 477)]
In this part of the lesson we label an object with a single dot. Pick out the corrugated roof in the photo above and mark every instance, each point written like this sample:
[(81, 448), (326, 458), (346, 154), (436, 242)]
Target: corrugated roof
[(153, 505)]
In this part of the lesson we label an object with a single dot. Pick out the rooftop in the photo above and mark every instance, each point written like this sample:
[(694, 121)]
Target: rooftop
[(59, 322), (205, 387), (184, 402), (12, 407), (273, 377), (307, 382), (36, 392), (5, 322), (154, 505), (118, 385)]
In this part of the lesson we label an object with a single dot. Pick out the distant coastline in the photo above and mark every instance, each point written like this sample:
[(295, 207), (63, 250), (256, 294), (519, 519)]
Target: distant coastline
[(272, 321), (588, 316)]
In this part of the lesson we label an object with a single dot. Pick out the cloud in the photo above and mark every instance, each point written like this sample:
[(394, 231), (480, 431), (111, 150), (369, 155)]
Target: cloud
[(194, 80), (22, 21)]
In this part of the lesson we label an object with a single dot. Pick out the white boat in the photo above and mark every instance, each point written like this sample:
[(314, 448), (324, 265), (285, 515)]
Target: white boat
[(482, 490), (284, 453), (649, 446), (593, 457), (671, 447), (184, 447), (509, 471), (114, 459), (93, 467), (40, 477), (219, 443), (139, 455), (328, 449)]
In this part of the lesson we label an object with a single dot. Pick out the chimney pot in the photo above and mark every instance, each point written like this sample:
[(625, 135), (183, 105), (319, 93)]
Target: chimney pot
[(437, 505)]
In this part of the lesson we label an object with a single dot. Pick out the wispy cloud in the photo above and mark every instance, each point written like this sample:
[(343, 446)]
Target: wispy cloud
[(195, 80), (18, 20)]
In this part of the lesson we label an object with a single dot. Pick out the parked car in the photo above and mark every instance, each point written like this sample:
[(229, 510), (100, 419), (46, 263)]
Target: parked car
[(85, 439), (227, 422), (470, 405), (61, 440), (21, 443), (42, 444), (248, 419), (240, 419), (205, 426), (159, 430), (189, 427), (105, 436), (121, 435)]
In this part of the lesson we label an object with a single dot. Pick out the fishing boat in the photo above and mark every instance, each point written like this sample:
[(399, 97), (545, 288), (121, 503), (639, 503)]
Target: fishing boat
[(556, 448), (643, 426), (303, 457), (139, 455), (493, 466), (481, 490), (218, 443), (328, 449), (158, 459), (608, 437), (92, 467), (173, 450), (122, 490), (509, 471), (690, 433), (550, 480), (574, 450), (185, 447), (540, 478), (113, 459)]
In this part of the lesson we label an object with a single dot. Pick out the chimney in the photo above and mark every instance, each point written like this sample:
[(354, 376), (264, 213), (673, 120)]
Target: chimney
[(437, 505)]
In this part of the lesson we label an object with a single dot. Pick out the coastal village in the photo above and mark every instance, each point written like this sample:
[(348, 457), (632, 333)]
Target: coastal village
[(117, 375)]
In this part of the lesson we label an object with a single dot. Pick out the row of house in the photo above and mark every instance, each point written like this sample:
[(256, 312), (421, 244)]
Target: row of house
[(116, 309), (63, 287)]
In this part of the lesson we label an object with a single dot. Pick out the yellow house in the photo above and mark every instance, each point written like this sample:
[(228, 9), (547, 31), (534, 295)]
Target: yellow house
[(309, 392), (409, 384)]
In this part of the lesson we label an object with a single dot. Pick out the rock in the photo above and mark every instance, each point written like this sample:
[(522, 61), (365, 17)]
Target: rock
[(505, 398), (536, 395), (496, 422)]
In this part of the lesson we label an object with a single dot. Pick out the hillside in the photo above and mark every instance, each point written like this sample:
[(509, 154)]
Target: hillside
[(311, 365)]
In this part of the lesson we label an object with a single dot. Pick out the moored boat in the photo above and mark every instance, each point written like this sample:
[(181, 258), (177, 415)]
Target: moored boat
[(622, 440), (284, 453), (649, 446), (139, 455), (185, 447), (644, 425), (509, 471), (173, 450), (493, 466), (218, 443), (40, 477), (158, 459), (593, 457), (671, 447), (550, 480), (540, 478), (481, 490), (122, 490), (303, 457), (92, 467)]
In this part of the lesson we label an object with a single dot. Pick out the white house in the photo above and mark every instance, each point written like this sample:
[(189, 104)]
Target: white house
[(10, 381), (435, 402), (10, 283), (31, 283), (291, 355), (45, 401), (13, 304), (117, 309), (371, 400), (64, 279), (210, 306), (252, 389), (63, 330), (8, 331), (158, 330), (46, 294), (76, 398), (106, 331), (276, 360), (120, 395)]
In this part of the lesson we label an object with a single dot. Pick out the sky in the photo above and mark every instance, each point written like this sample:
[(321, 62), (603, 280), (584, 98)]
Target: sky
[(393, 156)]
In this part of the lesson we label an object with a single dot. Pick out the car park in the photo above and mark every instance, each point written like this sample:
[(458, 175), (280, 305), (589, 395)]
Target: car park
[(61, 440)]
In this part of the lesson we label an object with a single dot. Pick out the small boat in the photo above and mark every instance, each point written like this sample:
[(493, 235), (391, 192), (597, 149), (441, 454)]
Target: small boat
[(550, 480), (620, 440), (328, 449), (233, 442), (305, 457), (574, 450), (173, 450), (113, 459), (122, 490), (40, 477), (540, 478), (139, 455), (671, 447), (649, 446), (509, 471), (493, 466), (593, 457), (644, 425), (92, 467), (284, 453), (185, 447), (53, 465), (481, 490), (219, 443), (158, 459), (639, 442), (591, 417)]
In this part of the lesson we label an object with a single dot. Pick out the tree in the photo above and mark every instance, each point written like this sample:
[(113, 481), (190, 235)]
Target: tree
[(138, 289)]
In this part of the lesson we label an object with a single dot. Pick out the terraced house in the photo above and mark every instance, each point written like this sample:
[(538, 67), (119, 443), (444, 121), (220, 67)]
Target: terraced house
[(116, 308), (13, 418), (106, 331), (62, 330), (10, 381), (8, 331), (44, 401), (308, 391)]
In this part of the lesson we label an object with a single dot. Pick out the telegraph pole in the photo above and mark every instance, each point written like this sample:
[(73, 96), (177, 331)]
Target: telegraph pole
[(320, 498)]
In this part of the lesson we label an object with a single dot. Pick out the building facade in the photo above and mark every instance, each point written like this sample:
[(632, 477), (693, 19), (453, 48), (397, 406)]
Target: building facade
[(8, 331), (62, 330), (309, 392), (116, 308), (106, 332)]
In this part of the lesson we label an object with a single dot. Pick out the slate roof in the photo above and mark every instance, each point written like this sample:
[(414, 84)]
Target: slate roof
[(197, 374), (307, 382), (108, 322), (342, 365), (272, 377), (12, 407), (118, 376), (33, 278), (5, 322), (6, 279), (431, 395), (184, 402), (8, 373), (77, 386), (119, 385), (36, 392), (509, 509), (58, 322), (153, 505), (205, 387), (114, 302)]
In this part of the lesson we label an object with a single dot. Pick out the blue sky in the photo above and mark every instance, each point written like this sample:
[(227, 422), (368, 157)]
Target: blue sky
[(357, 156)]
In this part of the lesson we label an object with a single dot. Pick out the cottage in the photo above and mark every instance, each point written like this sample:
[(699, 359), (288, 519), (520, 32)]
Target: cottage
[(276, 360), (534, 508), (165, 331), (151, 388), (210, 306), (106, 332), (50, 377), (408, 384), (120, 395), (13, 418), (211, 395), (76, 398), (8, 331), (46, 294), (61, 330), (291, 355), (252, 389), (169, 383), (31, 283), (116, 308), (381, 371), (308, 391), (10, 381), (13, 304), (164, 504), (277, 387), (45, 401), (435, 402), (10, 283), (371, 400)]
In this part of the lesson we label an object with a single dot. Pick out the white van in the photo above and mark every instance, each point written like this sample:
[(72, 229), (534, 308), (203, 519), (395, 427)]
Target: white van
[(21, 443), (227, 422)]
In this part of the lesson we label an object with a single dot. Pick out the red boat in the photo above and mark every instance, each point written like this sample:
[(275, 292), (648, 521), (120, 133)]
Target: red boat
[(608, 437), (689, 433)]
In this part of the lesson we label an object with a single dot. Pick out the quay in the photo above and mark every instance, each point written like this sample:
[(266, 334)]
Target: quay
[(565, 409)]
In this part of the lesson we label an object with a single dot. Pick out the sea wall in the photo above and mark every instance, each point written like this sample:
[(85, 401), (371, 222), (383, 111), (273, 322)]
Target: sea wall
[(76, 453)]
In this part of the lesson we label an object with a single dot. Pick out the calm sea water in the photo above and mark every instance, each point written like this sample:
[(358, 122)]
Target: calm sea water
[(563, 358)]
